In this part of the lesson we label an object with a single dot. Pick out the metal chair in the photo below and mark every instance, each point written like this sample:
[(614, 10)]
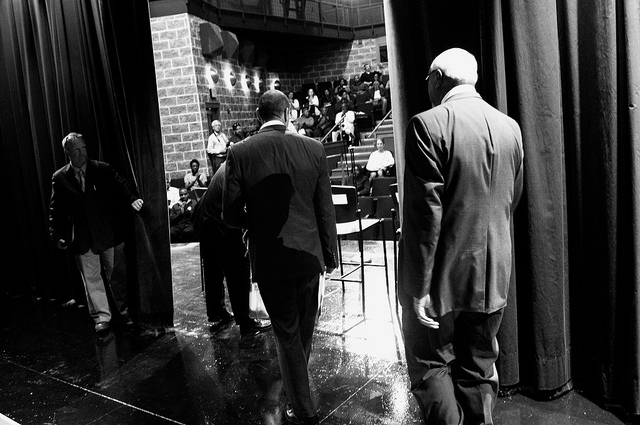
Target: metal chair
[(393, 189), (350, 222)]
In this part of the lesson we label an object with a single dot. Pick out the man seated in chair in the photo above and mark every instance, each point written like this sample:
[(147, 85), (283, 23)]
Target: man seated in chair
[(180, 218), (380, 161), (305, 123), (378, 94)]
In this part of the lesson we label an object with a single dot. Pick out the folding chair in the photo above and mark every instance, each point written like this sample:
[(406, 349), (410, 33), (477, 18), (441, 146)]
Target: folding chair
[(349, 222)]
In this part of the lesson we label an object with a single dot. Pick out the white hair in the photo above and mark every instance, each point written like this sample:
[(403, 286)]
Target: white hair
[(457, 64)]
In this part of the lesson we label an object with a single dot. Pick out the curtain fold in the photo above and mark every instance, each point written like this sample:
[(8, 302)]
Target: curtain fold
[(86, 66), (568, 71)]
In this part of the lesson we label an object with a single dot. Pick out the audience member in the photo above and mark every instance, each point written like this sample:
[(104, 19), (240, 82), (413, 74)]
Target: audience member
[(357, 87), (84, 217), (237, 135), (193, 179), (327, 99), (313, 103), (324, 123), (305, 123), (180, 218), (462, 182), (346, 126), (378, 95), (380, 161), (173, 194), (367, 76), (217, 145), (286, 205), (294, 107), (361, 181), (225, 258)]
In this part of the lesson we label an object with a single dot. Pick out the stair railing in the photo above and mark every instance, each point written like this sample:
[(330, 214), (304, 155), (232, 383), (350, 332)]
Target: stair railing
[(379, 124)]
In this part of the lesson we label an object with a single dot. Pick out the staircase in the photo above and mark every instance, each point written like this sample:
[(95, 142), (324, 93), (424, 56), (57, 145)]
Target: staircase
[(341, 167)]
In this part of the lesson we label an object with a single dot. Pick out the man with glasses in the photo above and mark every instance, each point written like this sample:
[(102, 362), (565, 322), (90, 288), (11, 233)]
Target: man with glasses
[(87, 198), (462, 182)]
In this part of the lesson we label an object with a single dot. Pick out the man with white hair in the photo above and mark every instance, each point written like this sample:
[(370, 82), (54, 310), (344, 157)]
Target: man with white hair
[(463, 180), (217, 145)]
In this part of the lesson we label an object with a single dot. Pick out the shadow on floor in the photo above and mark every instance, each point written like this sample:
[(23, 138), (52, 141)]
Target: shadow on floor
[(55, 370)]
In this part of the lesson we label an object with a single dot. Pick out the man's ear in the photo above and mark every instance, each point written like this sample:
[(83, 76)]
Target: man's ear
[(258, 116)]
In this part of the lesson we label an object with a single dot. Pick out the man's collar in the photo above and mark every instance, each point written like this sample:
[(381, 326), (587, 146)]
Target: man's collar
[(462, 88), (77, 169), (272, 123)]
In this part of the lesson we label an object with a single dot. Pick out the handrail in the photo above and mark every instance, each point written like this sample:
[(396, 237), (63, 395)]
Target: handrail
[(332, 128), (379, 124)]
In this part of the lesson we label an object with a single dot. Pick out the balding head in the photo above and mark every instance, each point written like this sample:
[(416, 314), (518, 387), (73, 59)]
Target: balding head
[(451, 68), (457, 64), (273, 106)]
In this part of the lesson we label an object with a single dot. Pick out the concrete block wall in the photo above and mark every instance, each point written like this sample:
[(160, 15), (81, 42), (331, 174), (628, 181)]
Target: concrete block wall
[(182, 75), (333, 61), (183, 88)]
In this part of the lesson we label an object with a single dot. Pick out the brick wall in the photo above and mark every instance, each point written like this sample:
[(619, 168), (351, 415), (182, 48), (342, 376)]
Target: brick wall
[(184, 87)]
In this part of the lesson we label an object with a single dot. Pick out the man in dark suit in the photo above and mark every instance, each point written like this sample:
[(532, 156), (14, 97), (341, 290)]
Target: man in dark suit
[(86, 201), (282, 179), (225, 256), (463, 180)]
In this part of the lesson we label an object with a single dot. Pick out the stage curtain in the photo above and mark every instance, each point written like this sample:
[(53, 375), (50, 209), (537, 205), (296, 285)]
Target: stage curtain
[(85, 66), (568, 71)]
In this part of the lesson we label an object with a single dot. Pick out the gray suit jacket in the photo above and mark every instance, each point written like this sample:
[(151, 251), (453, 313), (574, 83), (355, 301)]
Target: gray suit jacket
[(463, 179), (282, 179)]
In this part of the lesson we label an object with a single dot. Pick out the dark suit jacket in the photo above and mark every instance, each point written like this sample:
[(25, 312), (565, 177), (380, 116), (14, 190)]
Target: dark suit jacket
[(463, 179), (283, 180), (89, 220)]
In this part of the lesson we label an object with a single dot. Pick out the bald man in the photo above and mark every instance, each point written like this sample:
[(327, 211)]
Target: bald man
[(463, 180), (277, 186), (217, 145)]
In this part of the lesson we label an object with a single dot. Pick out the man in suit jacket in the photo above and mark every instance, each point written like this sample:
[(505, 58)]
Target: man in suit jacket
[(282, 180), (463, 180), (83, 215), (224, 256)]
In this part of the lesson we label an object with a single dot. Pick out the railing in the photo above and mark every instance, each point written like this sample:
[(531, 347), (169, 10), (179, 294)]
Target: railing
[(379, 124), (334, 12)]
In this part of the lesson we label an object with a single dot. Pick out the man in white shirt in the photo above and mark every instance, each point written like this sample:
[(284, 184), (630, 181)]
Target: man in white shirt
[(217, 145)]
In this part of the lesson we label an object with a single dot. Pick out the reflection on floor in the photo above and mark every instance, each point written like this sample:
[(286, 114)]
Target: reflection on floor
[(54, 370)]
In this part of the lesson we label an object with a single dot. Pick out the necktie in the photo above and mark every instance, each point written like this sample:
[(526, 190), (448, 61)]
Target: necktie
[(80, 177)]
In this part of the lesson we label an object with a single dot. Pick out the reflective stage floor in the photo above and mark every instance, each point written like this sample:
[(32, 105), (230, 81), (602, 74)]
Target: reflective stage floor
[(55, 370)]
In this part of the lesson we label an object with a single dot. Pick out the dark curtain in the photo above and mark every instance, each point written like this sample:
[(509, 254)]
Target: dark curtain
[(569, 72), (85, 66)]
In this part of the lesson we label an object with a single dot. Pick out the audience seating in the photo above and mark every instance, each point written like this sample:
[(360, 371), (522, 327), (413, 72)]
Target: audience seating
[(364, 116), (380, 185)]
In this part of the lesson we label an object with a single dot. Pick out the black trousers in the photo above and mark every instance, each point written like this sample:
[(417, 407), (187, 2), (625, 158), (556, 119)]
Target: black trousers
[(292, 305), (452, 369), (223, 254)]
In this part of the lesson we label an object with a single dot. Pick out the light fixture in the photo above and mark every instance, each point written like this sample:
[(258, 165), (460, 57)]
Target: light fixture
[(214, 76), (248, 81), (232, 78), (276, 85)]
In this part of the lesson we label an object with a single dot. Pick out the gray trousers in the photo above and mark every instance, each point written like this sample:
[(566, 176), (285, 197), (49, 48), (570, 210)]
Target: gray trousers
[(452, 369), (113, 263)]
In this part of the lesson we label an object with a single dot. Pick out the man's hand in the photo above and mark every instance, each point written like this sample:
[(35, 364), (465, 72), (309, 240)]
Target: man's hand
[(137, 204), (197, 176), (422, 306), (61, 244)]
